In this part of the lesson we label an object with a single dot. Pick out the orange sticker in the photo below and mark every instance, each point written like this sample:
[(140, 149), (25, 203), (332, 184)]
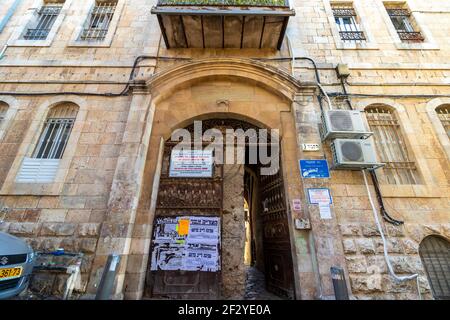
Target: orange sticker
[(183, 227)]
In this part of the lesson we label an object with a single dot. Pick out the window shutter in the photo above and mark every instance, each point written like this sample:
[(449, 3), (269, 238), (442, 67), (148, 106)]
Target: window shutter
[(38, 170)]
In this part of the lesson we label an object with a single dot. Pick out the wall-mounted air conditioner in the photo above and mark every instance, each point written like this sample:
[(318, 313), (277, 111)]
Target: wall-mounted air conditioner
[(346, 124), (354, 154)]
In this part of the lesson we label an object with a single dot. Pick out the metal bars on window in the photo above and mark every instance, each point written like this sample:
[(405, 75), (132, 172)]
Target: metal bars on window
[(435, 254), (443, 113), (346, 21), (54, 137), (401, 19), (98, 22), (391, 147), (46, 18)]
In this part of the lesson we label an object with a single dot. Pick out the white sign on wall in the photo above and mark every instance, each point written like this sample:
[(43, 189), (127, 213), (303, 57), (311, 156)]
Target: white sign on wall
[(319, 195), (191, 163)]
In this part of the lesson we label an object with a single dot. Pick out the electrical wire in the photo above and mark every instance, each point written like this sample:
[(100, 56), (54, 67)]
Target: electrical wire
[(373, 175), (122, 93), (400, 96), (386, 256)]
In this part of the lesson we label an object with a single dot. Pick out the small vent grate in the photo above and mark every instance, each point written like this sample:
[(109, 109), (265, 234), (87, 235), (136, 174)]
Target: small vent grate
[(351, 151), (341, 121)]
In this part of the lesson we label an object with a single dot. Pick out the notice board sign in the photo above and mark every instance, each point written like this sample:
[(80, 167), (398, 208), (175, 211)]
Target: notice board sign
[(314, 169), (186, 243), (319, 196), (191, 163)]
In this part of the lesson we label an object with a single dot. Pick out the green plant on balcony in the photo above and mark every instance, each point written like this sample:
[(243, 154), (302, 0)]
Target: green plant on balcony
[(256, 3)]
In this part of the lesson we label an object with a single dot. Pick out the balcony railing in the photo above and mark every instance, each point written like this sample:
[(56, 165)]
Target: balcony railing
[(410, 36), (352, 35), (237, 3)]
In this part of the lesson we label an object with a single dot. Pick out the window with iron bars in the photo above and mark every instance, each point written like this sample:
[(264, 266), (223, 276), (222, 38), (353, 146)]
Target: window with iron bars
[(98, 21), (391, 146), (56, 133), (443, 113), (434, 252), (46, 17), (347, 23), (401, 19)]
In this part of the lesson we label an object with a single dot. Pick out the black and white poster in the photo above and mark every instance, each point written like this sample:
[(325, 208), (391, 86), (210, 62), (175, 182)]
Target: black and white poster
[(186, 243)]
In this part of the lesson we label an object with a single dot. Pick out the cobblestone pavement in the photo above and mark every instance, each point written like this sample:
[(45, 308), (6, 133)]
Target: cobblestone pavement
[(255, 287)]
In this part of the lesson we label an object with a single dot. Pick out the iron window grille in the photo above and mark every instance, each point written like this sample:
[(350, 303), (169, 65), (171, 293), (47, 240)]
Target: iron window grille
[(391, 147), (56, 133), (401, 19), (443, 113), (346, 21), (47, 15), (97, 25), (434, 252)]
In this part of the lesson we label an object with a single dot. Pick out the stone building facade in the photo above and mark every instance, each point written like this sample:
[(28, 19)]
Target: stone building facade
[(102, 195)]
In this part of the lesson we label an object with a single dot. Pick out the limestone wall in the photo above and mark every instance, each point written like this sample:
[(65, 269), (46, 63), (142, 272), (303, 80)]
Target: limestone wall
[(74, 216)]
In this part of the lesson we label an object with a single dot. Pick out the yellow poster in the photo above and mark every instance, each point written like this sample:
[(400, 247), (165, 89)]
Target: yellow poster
[(183, 227)]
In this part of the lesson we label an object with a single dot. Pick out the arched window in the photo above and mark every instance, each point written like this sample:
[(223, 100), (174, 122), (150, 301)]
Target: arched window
[(443, 113), (56, 132), (43, 165), (435, 254), (3, 110), (391, 146)]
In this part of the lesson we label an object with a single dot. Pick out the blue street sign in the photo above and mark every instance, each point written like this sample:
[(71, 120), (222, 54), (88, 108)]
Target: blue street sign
[(314, 169)]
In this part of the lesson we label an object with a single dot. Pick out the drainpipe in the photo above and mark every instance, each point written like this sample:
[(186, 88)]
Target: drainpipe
[(5, 20)]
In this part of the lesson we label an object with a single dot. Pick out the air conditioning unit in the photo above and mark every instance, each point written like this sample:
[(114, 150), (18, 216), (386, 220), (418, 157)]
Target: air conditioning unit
[(346, 124), (354, 154)]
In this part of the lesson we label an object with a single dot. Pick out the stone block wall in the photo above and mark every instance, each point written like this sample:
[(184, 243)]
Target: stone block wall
[(72, 219)]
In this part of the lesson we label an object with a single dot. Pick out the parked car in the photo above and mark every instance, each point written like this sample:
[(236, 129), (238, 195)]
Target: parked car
[(16, 265)]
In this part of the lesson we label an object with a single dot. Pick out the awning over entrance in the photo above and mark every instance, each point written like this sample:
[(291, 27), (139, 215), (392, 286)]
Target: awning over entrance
[(223, 23)]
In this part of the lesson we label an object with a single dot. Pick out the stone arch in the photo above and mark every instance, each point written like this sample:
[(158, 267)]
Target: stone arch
[(218, 115), (273, 79), (171, 112), (44, 110), (12, 106), (439, 129)]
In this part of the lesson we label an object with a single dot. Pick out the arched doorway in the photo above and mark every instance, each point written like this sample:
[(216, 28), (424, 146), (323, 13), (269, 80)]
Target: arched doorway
[(250, 208), (435, 254)]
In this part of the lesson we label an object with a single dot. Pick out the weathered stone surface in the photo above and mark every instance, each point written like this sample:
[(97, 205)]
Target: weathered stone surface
[(50, 244), (350, 229), (88, 229), (410, 246), (23, 229), (365, 246), (88, 245), (394, 231), (393, 245), (372, 283), (369, 230), (376, 264), (406, 264), (349, 246), (356, 264), (57, 229)]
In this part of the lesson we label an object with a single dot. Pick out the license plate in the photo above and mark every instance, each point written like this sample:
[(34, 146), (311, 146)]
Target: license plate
[(10, 273)]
